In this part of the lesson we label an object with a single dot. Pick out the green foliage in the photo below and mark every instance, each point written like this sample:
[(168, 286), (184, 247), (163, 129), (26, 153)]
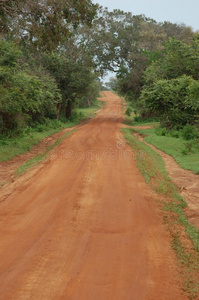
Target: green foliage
[(55, 66), (92, 93), (29, 136), (44, 25), (32, 135), (175, 100), (74, 78), (171, 88), (128, 111), (125, 43), (172, 142), (25, 97), (9, 54), (177, 59), (189, 132)]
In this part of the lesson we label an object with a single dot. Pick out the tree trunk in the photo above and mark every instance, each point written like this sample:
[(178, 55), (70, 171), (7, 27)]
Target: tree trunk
[(68, 110), (59, 110)]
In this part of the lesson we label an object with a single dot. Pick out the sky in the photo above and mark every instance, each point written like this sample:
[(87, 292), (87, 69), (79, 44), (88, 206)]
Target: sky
[(175, 11)]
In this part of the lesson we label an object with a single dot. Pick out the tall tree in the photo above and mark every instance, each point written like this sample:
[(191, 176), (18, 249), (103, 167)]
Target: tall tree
[(44, 23), (125, 44)]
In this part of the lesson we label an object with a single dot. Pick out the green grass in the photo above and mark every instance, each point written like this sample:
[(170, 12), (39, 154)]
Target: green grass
[(134, 120), (11, 147), (152, 168), (185, 153), (89, 111), (14, 146), (40, 157)]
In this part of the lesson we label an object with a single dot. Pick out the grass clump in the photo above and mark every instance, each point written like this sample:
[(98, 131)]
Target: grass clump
[(87, 112)]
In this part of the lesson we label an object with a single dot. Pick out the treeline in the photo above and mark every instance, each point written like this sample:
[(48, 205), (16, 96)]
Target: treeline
[(156, 65), (171, 84), (44, 73), (52, 54)]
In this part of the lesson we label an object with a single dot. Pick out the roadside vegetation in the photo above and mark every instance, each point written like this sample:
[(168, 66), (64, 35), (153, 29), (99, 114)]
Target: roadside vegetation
[(53, 55), (47, 81), (182, 144), (31, 136), (169, 102), (40, 157), (185, 237)]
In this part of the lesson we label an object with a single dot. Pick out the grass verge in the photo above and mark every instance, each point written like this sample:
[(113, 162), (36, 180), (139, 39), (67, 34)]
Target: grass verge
[(88, 112), (14, 146), (185, 237), (185, 153), (40, 157), (134, 120)]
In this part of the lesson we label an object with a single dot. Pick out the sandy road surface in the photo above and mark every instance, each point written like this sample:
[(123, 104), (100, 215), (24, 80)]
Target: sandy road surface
[(87, 227)]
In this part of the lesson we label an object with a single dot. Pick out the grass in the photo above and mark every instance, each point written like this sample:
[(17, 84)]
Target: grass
[(40, 157), (185, 237), (11, 147), (14, 146), (134, 120), (88, 111), (185, 153)]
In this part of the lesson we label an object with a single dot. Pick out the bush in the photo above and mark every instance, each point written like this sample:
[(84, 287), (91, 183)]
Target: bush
[(161, 131), (25, 97), (188, 147), (174, 133), (128, 111), (176, 101), (189, 132)]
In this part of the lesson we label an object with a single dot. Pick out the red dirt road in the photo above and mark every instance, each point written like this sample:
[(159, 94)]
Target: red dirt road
[(86, 226)]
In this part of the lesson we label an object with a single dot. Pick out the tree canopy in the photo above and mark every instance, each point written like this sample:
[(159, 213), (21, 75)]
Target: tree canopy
[(44, 23), (53, 53)]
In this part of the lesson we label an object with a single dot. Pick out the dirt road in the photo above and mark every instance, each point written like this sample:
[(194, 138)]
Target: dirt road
[(86, 226)]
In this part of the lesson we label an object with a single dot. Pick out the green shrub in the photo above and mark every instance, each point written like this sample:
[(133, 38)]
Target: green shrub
[(176, 101), (128, 111), (161, 131), (25, 97), (189, 132), (188, 147), (174, 133)]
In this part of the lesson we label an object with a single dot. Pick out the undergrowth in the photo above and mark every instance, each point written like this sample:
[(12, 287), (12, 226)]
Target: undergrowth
[(185, 152), (11, 146)]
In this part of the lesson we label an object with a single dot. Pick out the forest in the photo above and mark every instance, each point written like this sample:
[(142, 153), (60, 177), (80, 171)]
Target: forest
[(53, 56)]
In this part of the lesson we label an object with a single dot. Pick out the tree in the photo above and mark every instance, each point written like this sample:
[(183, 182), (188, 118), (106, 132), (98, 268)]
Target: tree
[(171, 83), (177, 59), (25, 96), (44, 23), (176, 101), (126, 44), (73, 77)]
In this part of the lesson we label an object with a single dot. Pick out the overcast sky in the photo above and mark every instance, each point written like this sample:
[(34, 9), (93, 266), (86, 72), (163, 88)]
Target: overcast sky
[(175, 11)]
